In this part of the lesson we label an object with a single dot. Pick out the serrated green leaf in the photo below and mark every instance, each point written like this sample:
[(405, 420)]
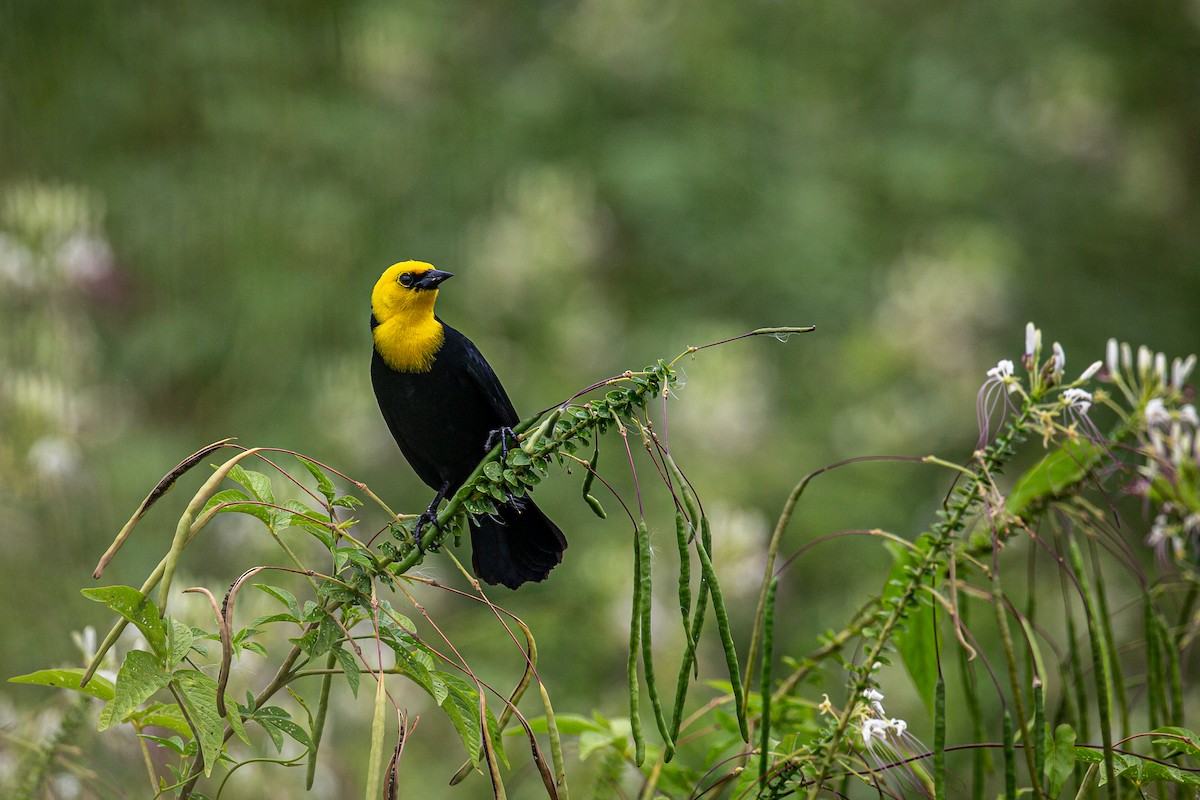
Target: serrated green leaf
[(138, 609), (98, 686), (324, 485), (461, 706), (301, 516), (199, 693), (347, 501), (181, 641), (140, 677), (258, 484)]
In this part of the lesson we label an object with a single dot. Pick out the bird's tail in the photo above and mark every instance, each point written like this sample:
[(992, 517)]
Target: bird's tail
[(518, 544)]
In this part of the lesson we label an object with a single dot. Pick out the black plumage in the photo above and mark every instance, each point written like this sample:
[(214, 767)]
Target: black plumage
[(442, 420)]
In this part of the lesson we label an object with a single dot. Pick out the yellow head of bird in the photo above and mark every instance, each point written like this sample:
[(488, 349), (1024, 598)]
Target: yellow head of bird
[(406, 291)]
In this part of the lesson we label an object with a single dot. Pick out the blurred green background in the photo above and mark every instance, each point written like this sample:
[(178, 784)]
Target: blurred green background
[(195, 200)]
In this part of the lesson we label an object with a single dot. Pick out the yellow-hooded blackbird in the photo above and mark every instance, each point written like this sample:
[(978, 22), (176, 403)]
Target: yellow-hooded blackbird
[(444, 405)]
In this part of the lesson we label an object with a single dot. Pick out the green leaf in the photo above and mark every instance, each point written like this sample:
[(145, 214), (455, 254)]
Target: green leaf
[(173, 743), (140, 677), (298, 515), (199, 693), (163, 715), (138, 609), (324, 485), (493, 471), (282, 595), (1136, 770), (258, 484), (275, 721), (349, 668), (347, 501), (1060, 760), (567, 724), (1180, 740), (461, 706), (1056, 473), (181, 641), (318, 641), (235, 720), (914, 640), (98, 686)]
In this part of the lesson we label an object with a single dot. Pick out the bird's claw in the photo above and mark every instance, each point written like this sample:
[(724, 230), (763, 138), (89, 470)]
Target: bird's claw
[(504, 433), (429, 517)]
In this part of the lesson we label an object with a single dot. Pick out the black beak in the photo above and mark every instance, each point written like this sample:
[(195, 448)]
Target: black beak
[(431, 279)]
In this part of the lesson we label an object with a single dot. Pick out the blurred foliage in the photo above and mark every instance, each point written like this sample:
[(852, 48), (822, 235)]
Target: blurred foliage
[(196, 199)]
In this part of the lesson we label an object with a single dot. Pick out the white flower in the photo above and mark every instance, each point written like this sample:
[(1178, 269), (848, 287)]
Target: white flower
[(1180, 370), (1058, 361), (1145, 359), (1033, 340), (1091, 371), (899, 726), (1004, 369), (1158, 531), (1156, 412), (873, 695), (1110, 357), (874, 728), (1188, 414), (1160, 368), (1078, 399)]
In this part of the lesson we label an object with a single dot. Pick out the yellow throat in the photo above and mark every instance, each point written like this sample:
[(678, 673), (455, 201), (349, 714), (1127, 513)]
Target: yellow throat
[(408, 336)]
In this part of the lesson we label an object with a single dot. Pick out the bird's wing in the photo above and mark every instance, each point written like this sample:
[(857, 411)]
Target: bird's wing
[(484, 377)]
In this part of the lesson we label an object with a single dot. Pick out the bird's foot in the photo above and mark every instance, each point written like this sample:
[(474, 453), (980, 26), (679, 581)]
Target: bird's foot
[(429, 517), (504, 434)]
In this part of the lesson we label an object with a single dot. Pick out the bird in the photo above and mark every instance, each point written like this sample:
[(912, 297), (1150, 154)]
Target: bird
[(445, 406)]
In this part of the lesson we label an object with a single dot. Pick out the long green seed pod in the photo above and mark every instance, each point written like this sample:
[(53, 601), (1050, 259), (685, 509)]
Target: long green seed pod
[(764, 688), (1099, 666), (644, 578), (685, 582), (939, 738), (1010, 759), (635, 640), (1039, 731), (722, 615)]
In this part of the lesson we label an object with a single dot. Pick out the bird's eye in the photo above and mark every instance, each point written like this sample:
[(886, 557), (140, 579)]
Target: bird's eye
[(406, 279)]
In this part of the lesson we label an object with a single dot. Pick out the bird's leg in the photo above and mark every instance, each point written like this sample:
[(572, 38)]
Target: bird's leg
[(504, 433), (429, 517)]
